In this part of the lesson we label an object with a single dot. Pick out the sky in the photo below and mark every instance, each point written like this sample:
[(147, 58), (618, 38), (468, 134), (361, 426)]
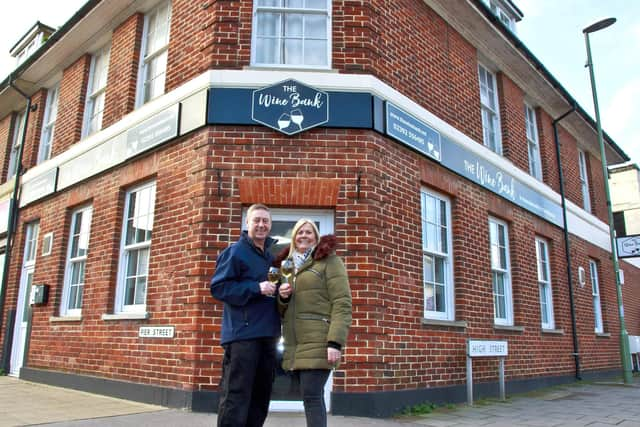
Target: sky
[(551, 30)]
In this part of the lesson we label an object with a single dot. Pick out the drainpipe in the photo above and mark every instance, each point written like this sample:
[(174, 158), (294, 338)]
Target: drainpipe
[(576, 349), (13, 213)]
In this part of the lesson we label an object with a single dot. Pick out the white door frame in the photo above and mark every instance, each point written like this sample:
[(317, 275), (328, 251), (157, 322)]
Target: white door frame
[(26, 273)]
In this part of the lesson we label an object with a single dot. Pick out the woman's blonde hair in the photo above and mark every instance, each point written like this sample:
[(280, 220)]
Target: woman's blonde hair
[(297, 227)]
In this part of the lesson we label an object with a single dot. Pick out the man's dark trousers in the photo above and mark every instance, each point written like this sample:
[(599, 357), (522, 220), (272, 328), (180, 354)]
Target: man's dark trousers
[(248, 371)]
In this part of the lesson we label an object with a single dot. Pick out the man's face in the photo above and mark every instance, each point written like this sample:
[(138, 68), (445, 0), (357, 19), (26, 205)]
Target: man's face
[(259, 224)]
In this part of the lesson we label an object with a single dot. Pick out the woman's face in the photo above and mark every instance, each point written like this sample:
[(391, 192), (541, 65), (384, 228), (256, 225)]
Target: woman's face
[(305, 238)]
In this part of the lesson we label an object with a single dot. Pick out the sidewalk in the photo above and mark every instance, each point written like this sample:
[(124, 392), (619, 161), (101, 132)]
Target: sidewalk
[(596, 404)]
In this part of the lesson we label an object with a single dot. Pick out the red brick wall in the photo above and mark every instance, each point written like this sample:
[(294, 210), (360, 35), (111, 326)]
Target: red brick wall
[(6, 136), (122, 77), (512, 120), (71, 103), (30, 154), (178, 292), (548, 154)]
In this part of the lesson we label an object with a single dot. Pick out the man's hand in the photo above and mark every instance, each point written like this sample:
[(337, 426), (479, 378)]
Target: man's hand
[(267, 288)]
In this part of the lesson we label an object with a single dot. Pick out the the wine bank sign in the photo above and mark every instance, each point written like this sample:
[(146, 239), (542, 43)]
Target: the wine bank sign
[(290, 107)]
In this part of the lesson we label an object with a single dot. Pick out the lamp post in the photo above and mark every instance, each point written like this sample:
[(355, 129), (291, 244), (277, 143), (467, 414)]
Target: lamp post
[(624, 337)]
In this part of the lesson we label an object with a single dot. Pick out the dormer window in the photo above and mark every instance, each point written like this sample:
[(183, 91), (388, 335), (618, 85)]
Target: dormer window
[(31, 41), (506, 11)]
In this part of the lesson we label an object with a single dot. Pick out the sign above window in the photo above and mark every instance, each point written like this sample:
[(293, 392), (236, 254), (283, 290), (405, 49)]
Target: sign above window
[(290, 107)]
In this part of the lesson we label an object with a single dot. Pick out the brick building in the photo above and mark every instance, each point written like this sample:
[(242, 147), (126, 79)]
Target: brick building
[(421, 133)]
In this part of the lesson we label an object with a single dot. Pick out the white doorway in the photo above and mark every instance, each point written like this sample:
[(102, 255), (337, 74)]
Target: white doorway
[(286, 395), (24, 293)]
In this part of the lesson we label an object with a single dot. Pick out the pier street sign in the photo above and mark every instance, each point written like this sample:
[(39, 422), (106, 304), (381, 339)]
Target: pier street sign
[(290, 107)]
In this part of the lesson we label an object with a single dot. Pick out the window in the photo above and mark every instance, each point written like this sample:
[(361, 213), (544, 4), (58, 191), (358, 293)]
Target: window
[(584, 180), (155, 47), (535, 165), (500, 272), (96, 91), (436, 256), (505, 18), (49, 125), (291, 33), (544, 284), (133, 270), (16, 141), (595, 292), (31, 243), (76, 260), (489, 109)]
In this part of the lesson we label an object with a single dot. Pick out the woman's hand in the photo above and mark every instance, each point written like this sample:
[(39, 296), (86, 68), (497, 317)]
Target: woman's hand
[(333, 355), (285, 290)]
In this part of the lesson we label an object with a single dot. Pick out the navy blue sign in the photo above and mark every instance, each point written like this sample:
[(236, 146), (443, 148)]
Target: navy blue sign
[(418, 135), (413, 132), (290, 107), (480, 171)]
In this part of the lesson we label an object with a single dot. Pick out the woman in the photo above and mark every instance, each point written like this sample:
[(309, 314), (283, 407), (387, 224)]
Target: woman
[(316, 310)]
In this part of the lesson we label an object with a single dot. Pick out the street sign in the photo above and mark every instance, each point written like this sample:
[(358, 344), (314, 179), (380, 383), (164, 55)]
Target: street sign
[(628, 246)]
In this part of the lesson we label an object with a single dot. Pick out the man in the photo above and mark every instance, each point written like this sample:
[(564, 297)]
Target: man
[(250, 323)]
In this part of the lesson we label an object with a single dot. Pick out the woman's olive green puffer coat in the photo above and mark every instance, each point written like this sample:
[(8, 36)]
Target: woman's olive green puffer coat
[(319, 310)]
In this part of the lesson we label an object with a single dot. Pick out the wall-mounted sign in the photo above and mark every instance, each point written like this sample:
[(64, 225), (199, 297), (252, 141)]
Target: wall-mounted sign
[(153, 131), (484, 348), (290, 107), (156, 331), (473, 167), (39, 187), (628, 246), (413, 132)]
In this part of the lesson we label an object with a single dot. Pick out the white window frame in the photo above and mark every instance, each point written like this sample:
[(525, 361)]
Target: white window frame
[(126, 249), (16, 141), (149, 57), (500, 265), (98, 73), (544, 284), (584, 180), (259, 9), (533, 142), (595, 293), (49, 124), (84, 215), (490, 113), (434, 247)]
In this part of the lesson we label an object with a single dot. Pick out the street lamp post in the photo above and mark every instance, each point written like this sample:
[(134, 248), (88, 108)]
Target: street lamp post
[(624, 337)]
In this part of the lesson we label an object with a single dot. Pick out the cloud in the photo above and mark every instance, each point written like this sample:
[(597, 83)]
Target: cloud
[(620, 118)]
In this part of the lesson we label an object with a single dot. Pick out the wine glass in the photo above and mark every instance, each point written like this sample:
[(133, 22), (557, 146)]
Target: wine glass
[(284, 121), (273, 276), (286, 268), (297, 117)]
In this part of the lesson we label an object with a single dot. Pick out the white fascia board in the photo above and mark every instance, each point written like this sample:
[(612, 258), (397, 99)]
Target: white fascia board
[(130, 120), (580, 223)]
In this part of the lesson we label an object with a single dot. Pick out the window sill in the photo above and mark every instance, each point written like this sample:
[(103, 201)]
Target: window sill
[(288, 68), (126, 316), (65, 318), (603, 335), (553, 331), (509, 328), (462, 324)]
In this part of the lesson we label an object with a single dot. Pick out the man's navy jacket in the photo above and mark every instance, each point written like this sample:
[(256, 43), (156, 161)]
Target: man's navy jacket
[(247, 313)]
